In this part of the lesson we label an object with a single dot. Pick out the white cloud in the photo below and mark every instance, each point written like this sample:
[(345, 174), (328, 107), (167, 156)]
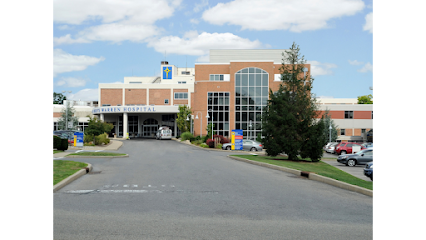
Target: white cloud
[(65, 62), (293, 15), (355, 62), (368, 26), (71, 82), (194, 21), (131, 20), (85, 95), (68, 40), (318, 68), (366, 68), (199, 6), (196, 44)]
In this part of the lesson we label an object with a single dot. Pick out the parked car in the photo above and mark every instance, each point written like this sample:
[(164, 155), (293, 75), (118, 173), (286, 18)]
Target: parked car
[(361, 157), (328, 145), (69, 134), (331, 148), (163, 133), (346, 147), (367, 144), (368, 170), (248, 145)]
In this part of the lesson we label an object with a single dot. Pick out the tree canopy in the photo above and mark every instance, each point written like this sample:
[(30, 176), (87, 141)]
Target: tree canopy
[(289, 122), (182, 124), (67, 116), (366, 99), (58, 98), (97, 127)]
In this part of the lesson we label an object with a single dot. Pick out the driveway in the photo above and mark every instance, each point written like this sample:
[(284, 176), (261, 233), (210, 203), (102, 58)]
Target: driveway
[(169, 190)]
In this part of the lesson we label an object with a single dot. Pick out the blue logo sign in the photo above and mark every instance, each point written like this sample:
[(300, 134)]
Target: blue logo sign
[(167, 73)]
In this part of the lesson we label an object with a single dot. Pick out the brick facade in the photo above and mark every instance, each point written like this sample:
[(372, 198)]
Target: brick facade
[(135, 96), (112, 97), (157, 96)]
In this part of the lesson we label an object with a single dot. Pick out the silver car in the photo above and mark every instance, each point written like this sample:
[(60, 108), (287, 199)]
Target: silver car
[(248, 145)]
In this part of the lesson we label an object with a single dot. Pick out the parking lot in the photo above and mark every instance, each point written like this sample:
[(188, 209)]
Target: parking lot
[(357, 171)]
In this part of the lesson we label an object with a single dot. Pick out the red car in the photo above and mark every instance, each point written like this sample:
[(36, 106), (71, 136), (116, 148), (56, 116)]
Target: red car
[(346, 147)]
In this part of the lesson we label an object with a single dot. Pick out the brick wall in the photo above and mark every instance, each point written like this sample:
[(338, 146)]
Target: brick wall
[(135, 96), (157, 96), (112, 96)]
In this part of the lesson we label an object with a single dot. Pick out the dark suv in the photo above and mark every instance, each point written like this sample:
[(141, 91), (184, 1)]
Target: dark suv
[(346, 147)]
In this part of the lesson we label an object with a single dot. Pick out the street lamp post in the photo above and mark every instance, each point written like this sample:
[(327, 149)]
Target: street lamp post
[(210, 110), (330, 131), (66, 110), (201, 125), (187, 119)]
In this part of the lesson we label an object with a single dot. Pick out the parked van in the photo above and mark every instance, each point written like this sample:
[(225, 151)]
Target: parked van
[(163, 133)]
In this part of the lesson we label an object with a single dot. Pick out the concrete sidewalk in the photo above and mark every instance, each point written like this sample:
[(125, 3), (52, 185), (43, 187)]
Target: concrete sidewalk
[(112, 146)]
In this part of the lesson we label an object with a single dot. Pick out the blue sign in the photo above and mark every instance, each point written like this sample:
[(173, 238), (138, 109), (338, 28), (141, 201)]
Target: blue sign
[(79, 137), (167, 73), (237, 139)]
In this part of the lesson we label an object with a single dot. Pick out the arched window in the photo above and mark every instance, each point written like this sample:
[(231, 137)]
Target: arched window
[(251, 96), (150, 121)]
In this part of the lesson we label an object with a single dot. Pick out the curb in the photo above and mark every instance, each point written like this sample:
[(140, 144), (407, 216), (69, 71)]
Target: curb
[(187, 142), (75, 156), (73, 177), (311, 176)]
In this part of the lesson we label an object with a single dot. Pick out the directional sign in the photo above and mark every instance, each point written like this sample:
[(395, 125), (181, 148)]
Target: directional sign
[(78, 139), (237, 139)]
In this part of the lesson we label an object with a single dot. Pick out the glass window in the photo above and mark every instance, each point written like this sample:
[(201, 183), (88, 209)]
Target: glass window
[(349, 114)]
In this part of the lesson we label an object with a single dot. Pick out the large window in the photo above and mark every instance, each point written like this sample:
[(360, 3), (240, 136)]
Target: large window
[(218, 107), (349, 114), (251, 96), (216, 77), (181, 95)]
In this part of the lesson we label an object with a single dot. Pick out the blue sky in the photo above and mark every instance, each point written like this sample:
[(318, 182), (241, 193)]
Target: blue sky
[(95, 42)]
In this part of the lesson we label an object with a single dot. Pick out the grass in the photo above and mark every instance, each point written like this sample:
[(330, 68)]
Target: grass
[(97, 154), (57, 151), (63, 169), (307, 165)]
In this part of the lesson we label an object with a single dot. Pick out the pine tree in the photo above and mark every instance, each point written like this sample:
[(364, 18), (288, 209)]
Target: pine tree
[(66, 117), (288, 123)]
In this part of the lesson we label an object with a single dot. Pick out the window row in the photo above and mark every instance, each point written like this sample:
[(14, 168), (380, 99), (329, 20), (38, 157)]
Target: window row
[(251, 80), (216, 77), (248, 116), (181, 95), (251, 101)]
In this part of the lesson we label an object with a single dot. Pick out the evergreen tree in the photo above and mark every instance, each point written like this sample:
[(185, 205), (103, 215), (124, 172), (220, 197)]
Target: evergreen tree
[(66, 117), (327, 122), (288, 123)]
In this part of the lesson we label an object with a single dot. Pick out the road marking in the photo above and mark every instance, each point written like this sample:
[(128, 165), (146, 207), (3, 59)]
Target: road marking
[(125, 185)]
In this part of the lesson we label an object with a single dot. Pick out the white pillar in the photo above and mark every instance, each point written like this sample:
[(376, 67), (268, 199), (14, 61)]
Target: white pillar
[(139, 126), (102, 117), (125, 125), (175, 126)]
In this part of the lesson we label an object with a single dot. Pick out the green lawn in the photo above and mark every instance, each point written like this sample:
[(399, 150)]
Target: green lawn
[(63, 169), (96, 154), (57, 151), (306, 165)]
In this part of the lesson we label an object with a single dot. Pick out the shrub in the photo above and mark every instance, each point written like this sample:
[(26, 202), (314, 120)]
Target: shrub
[(102, 139), (219, 146), (197, 138), (204, 145), (204, 138), (222, 139), (210, 143), (63, 144), (87, 138), (56, 142), (186, 136)]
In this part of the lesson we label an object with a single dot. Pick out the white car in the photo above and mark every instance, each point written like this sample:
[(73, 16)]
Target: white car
[(330, 149), (163, 133)]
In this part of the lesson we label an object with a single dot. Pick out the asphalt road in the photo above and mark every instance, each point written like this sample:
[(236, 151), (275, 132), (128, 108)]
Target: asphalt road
[(168, 190), (357, 171)]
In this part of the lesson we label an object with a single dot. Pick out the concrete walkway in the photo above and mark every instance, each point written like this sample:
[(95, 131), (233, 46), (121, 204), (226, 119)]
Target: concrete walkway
[(112, 146)]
